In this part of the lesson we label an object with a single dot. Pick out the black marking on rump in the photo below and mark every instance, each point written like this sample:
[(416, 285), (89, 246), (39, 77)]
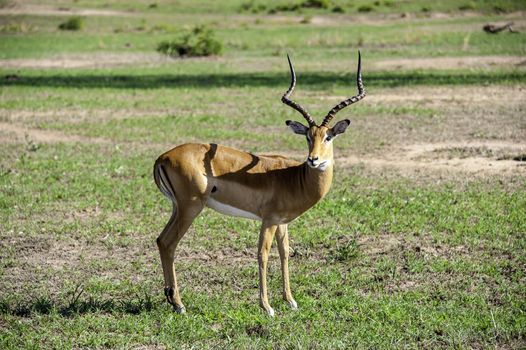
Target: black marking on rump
[(165, 175), (166, 182)]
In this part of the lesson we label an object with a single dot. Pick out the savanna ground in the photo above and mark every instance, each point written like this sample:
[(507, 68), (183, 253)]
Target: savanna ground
[(420, 243)]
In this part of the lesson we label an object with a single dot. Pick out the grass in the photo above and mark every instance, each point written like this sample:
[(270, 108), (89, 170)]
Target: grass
[(393, 257), (234, 6), (445, 239), (447, 37)]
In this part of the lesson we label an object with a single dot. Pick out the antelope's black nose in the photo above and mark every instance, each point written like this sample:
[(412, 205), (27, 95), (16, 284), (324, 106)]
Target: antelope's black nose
[(312, 160)]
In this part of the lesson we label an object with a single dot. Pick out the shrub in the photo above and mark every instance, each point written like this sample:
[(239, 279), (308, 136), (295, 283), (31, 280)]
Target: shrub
[(74, 23), (298, 6), (246, 6), (338, 9), (252, 6), (316, 4), (466, 7), (287, 8), (259, 8), (200, 41), (365, 8), (499, 9)]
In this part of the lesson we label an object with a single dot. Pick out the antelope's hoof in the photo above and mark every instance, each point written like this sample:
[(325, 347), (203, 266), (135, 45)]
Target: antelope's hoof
[(293, 304), (270, 311), (180, 309), (169, 293)]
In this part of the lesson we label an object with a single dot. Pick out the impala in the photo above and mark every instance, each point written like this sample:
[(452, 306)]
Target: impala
[(272, 189)]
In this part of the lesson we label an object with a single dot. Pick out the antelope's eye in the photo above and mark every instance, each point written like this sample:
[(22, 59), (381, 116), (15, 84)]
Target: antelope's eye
[(328, 138)]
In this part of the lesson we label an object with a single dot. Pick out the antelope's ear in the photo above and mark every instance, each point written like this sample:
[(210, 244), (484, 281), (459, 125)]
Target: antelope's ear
[(297, 127), (339, 127)]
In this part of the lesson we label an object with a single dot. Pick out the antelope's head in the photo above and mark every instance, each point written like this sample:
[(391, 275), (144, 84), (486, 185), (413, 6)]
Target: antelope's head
[(320, 137)]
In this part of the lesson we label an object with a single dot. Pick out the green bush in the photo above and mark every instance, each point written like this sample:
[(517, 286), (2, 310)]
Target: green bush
[(286, 8), (365, 8), (466, 7), (252, 6), (293, 6), (200, 41), (316, 4), (338, 9), (74, 23)]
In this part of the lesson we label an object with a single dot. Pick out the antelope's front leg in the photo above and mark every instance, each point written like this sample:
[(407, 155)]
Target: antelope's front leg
[(282, 237), (265, 242)]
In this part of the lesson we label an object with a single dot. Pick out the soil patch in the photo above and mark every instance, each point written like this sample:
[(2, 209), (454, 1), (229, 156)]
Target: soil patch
[(476, 158), (45, 10), (97, 60), (12, 132), (448, 62)]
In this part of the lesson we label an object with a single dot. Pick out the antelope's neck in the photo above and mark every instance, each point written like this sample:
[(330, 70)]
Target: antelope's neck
[(317, 183)]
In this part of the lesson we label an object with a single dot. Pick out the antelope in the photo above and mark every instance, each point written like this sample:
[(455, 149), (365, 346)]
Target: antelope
[(269, 188)]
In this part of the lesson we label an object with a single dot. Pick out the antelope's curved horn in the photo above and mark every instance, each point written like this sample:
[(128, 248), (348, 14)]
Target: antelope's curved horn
[(349, 101), (285, 98)]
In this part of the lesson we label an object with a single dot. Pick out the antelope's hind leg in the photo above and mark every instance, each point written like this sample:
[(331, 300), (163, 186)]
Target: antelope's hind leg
[(167, 242), (282, 238), (186, 206)]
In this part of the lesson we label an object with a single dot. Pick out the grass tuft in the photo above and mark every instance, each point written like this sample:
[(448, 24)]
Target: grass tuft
[(73, 24)]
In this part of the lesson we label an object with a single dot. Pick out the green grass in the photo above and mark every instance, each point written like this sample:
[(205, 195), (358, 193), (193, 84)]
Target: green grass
[(453, 37), (234, 6), (441, 308), (391, 258)]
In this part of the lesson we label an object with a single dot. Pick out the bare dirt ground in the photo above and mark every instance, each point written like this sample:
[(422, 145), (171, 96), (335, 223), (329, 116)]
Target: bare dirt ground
[(418, 157), (449, 62), (381, 19), (99, 60), (20, 8), (108, 60), (17, 133), (447, 97)]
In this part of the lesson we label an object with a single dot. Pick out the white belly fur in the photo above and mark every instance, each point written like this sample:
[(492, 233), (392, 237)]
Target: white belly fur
[(230, 210)]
